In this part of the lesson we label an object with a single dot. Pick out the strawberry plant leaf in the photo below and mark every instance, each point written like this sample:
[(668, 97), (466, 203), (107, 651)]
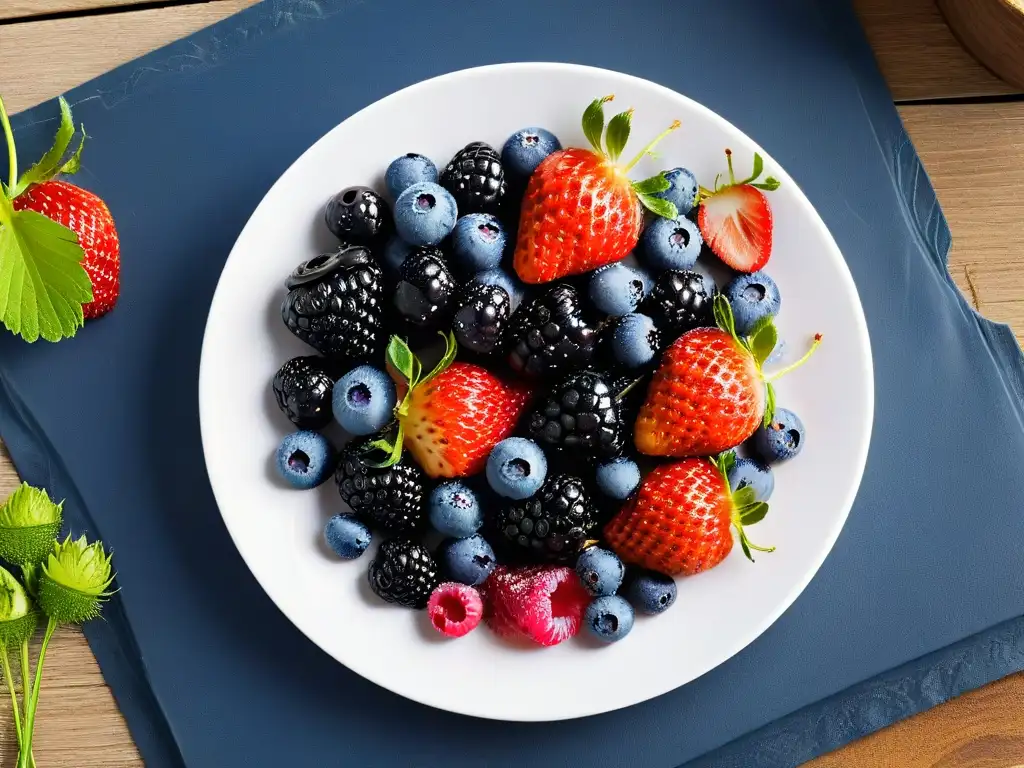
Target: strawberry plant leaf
[(393, 450), (746, 548), (593, 122), (43, 284), (401, 357), (769, 404), (449, 356), (663, 208), (74, 163), (744, 497), (763, 340), (652, 185), (50, 163), (723, 315), (727, 461), (618, 134), (758, 168), (753, 513), (769, 185)]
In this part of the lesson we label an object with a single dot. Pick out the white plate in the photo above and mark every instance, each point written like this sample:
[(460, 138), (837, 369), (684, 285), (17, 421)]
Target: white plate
[(278, 531)]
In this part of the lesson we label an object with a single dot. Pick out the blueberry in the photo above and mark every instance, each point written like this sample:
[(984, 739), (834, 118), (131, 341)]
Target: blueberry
[(395, 253), (454, 510), (782, 439), (425, 214), (363, 400), (682, 191), (672, 244), (407, 170), (468, 561), (636, 341), (516, 468), (752, 297), (525, 149), (617, 289), (512, 285), (478, 242), (651, 592), (347, 536), (748, 472), (600, 571), (305, 459), (610, 618), (618, 478)]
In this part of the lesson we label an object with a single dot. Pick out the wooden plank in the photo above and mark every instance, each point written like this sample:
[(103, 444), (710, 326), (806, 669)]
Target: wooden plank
[(919, 55), (45, 58), (21, 9)]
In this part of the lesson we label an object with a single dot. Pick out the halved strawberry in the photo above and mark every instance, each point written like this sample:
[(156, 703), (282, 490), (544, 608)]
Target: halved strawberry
[(736, 219)]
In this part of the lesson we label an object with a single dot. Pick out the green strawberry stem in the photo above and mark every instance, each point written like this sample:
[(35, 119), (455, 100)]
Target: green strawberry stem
[(792, 367), (770, 183), (647, 150), (628, 388), (25, 759), (746, 510), (5, 659), (12, 156)]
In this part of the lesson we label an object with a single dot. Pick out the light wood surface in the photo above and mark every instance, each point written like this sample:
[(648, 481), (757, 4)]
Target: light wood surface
[(993, 31), (973, 152)]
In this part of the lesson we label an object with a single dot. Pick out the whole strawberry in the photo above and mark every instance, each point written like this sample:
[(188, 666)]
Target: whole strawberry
[(451, 418), (580, 210), (709, 393), (59, 249), (679, 521)]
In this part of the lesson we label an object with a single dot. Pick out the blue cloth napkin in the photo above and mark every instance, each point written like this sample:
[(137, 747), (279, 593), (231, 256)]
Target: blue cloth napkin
[(186, 142)]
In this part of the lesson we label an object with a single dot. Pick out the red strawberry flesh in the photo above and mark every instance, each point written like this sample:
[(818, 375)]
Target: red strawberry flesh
[(736, 223)]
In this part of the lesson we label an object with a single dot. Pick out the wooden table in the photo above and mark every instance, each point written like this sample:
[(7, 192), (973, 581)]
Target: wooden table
[(969, 129)]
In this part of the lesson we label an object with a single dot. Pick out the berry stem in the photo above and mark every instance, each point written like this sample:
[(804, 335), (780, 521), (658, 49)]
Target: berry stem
[(25, 758), (646, 150), (628, 388), (25, 676), (12, 156), (728, 160), (743, 535), (5, 659), (790, 368)]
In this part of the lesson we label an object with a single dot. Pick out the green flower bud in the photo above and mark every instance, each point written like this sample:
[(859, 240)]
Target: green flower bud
[(18, 614), (29, 522), (74, 581)]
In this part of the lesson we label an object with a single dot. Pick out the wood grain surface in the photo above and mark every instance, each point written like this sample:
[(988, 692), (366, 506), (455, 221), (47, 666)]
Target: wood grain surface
[(993, 31), (974, 154)]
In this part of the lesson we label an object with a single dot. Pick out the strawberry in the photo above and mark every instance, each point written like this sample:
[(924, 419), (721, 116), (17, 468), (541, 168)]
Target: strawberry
[(580, 210), (709, 393), (451, 418), (59, 250), (678, 522), (87, 216), (736, 219)]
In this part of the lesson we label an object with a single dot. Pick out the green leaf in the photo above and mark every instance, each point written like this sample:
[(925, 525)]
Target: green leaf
[(723, 315), (74, 163), (770, 184), (43, 284), (651, 186), (50, 163), (753, 513), (744, 497), (727, 461), (762, 341), (618, 134), (449, 356), (769, 405), (746, 549), (593, 122), (656, 205), (393, 450), (758, 168), (401, 358)]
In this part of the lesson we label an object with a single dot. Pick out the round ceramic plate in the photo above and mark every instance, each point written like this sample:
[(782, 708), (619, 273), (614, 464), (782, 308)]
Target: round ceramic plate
[(278, 531)]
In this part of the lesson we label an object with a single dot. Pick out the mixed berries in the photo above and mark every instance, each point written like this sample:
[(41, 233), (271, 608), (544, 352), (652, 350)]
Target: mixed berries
[(505, 381)]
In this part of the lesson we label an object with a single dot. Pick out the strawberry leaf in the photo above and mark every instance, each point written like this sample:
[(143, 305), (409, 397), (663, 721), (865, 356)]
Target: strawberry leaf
[(401, 358), (652, 186), (43, 284), (753, 513), (593, 122), (449, 356), (393, 450), (723, 315), (663, 208), (74, 163), (618, 134), (744, 497), (769, 185), (763, 339), (746, 548), (727, 461), (758, 168), (50, 163), (769, 404)]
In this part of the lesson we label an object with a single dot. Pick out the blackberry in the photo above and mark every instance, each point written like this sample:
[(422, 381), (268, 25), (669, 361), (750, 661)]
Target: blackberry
[(581, 414), (303, 387), (481, 317), (553, 524), (391, 499), (475, 178), (359, 215), (679, 302), (403, 572), (426, 288), (334, 304), (549, 335)]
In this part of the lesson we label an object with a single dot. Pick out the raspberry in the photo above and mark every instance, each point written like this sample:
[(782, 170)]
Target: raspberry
[(543, 603), (455, 609)]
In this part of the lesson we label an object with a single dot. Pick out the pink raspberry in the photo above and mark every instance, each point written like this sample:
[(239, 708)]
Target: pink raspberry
[(455, 609), (542, 603)]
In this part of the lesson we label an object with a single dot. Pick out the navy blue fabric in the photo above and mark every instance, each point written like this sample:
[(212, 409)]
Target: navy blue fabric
[(186, 142)]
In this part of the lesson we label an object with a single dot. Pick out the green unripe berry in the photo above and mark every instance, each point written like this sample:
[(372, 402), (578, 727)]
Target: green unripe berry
[(29, 522), (18, 614), (74, 581)]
